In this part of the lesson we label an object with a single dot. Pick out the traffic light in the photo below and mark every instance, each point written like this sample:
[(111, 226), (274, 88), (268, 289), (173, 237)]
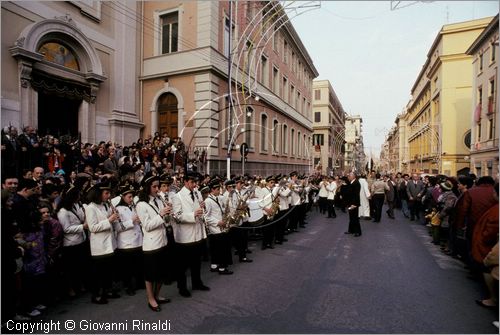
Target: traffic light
[(244, 149)]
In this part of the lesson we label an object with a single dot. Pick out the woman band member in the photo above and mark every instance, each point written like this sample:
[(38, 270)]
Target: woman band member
[(129, 240), (75, 251), (152, 212), (100, 219)]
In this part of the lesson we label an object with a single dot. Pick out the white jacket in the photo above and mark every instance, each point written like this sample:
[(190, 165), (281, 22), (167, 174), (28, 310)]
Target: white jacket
[(214, 213), (128, 234), (332, 189), (102, 236), (323, 192), (153, 225), (72, 224), (284, 193), (187, 229)]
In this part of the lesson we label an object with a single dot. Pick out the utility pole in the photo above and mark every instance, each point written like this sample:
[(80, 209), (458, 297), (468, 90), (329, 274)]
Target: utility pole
[(229, 83)]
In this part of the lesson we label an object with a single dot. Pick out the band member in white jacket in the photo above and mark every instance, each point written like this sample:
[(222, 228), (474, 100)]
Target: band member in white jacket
[(218, 236), (332, 189), (100, 220), (282, 217), (190, 233), (75, 252), (129, 240), (153, 214)]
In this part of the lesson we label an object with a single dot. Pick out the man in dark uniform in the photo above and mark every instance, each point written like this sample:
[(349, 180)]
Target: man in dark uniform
[(352, 202)]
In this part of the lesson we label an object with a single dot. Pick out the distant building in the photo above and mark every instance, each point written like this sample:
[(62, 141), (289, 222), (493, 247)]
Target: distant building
[(354, 147), (441, 98), (328, 128), (483, 138)]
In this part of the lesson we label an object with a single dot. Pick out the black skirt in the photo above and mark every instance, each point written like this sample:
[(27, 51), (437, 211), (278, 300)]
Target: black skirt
[(155, 265)]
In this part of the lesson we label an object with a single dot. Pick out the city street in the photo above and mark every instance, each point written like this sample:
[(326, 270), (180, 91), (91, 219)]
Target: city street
[(389, 280)]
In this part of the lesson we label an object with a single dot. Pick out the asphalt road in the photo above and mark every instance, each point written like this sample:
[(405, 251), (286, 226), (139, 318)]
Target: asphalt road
[(389, 280)]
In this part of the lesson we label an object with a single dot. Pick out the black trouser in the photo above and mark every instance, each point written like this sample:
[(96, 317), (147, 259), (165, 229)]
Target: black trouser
[(189, 258), (390, 211), (301, 213), (322, 205), (102, 274), (414, 208), (239, 238), (331, 208), (268, 232), (280, 224), (293, 218), (131, 267), (220, 249), (378, 202), (354, 226)]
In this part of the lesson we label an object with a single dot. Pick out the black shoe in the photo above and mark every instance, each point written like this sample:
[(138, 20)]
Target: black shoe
[(130, 292), (334, 216), (248, 251), (163, 300), (482, 304), (201, 287), (302, 226), (99, 300), (245, 260), (214, 269), (347, 232), (263, 247), (225, 272), (285, 240), (269, 246), (278, 242), (112, 295), (329, 216), (357, 235), (154, 309), (184, 292)]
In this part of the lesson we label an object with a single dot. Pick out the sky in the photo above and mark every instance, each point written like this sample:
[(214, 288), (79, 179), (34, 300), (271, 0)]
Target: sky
[(372, 55)]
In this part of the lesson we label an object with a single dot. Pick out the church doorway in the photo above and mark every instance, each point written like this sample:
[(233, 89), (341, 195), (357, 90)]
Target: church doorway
[(57, 115), (168, 115)]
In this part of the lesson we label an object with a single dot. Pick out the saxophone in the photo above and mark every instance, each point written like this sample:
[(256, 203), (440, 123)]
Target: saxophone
[(228, 218), (275, 207)]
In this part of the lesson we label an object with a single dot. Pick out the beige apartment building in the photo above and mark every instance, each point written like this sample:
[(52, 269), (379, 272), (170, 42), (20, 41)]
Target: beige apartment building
[(484, 117), (185, 52), (71, 67), (329, 129), (441, 99)]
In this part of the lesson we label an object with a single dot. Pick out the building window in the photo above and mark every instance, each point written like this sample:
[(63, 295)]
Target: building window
[(317, 94), (284, 139), (249, 53), (491, 129), (481, 62), (478, 132), (292, 96), (249, 127), (285, 52), (276, 39), (298, 105), (292, 142), (276, 130), (169, 32), (263, 133), (480, 96), (304, 106), (285, 89), (264, 74), (493, 51), (317, 117), (318, 139), (299, 144), (276, 81)]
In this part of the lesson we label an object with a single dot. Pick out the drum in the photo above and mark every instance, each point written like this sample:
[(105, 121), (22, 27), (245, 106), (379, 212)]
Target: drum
[(256, 214)]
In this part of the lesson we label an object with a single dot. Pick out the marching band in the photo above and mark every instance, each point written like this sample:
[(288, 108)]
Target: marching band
[(156, 230)]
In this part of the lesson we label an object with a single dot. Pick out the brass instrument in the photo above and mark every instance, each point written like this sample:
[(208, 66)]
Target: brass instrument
[(227, 217), (168, 218)]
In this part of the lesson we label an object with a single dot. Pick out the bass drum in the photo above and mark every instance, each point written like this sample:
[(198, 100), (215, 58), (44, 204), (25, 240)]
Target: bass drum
[(256, 217)]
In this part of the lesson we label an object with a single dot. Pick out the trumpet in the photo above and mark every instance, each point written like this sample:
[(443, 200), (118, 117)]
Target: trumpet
[(167, 218)]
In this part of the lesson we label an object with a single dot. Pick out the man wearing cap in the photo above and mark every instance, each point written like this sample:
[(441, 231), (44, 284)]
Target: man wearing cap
[(240, 236), (189, 233), (219, 241), (268, 195), (296, 189)]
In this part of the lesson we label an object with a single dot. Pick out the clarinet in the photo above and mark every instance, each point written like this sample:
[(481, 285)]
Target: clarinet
[(201, 219), (114, 211)]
